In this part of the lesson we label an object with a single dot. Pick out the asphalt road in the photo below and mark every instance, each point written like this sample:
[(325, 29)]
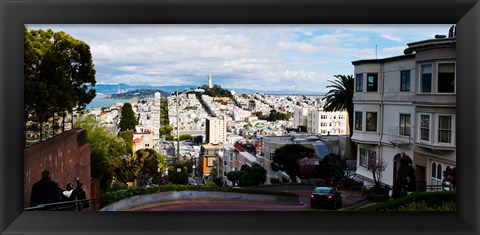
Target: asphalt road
[(349, 198)]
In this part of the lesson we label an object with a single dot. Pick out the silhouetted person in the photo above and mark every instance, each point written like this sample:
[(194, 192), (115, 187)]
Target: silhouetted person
[(81, 194), (45, 191), (411, 186), (69, 195)]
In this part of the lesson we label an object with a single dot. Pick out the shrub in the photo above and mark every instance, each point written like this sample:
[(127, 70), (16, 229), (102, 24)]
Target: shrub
[(423, 206), (432, 199)]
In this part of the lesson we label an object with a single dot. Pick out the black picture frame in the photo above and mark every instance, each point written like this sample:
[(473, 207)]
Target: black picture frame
[(14, 14)]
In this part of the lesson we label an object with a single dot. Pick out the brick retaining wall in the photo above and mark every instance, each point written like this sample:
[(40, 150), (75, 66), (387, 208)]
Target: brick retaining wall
[(66, 156)]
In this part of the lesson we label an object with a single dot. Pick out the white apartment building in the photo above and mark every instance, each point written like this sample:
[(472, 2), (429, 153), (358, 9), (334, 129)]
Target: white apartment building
[(404, 111), (321, 122), (215, 130)]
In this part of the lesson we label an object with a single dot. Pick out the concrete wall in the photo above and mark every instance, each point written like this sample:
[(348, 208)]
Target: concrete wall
[(143, 200), (66, 156)]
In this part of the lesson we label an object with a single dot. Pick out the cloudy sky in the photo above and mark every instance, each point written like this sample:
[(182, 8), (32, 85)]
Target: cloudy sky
[(260, 57)]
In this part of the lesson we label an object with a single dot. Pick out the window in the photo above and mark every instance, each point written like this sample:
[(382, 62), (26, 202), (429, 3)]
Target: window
[(372, 155), (371, 121), (434, 170), (404, 126), (444, 129), (359, 83), (405, 80), (358, 121), (363, 157), (426, 78), (372, 82), (446, 78), (425, 127)]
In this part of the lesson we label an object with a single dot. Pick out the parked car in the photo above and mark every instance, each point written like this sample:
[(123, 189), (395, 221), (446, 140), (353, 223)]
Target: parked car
[(325, 196)]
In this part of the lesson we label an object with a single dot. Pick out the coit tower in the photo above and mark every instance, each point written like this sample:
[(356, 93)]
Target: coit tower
[(209, 81)]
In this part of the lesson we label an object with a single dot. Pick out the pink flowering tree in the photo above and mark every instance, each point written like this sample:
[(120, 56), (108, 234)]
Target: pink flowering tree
[(306, 166), (376, 165)]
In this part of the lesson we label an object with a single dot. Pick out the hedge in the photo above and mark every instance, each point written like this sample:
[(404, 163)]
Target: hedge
[(114, 196), (432, 199)]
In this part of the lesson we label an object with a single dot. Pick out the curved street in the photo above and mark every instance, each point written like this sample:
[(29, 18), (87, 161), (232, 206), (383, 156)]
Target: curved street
[(349, 198)]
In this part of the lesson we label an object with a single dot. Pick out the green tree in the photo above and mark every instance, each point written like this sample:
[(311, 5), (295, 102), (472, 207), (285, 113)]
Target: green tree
[(235, 177), (169, 138), (253, 176), (106, 150), (128, 121), (178, 174), (162, 131), (340, 98), (144, 165), (57, 72), (168, 129), (286, 158), (332, 166), (185, 137), (128, 137)]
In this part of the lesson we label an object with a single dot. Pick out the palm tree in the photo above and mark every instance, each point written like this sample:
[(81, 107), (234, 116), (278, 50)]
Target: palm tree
[(340, 98)]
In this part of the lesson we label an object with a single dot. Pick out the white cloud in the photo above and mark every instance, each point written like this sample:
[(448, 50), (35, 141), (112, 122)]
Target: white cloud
[(391, 38), (266, 57)]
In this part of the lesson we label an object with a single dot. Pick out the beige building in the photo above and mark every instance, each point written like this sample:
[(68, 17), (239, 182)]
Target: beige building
[(215, 130)]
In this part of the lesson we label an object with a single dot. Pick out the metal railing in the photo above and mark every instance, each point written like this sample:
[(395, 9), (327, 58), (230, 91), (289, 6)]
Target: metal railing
[(77, 205)]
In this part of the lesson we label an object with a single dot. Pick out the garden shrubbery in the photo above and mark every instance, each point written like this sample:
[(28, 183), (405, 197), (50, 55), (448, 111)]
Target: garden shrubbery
[(431, 199)]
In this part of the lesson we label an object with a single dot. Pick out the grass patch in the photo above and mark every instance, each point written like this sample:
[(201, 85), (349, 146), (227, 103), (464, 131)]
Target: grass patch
[(114, 196), (430, 199)]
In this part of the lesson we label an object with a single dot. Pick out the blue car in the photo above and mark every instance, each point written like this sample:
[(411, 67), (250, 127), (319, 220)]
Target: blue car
[(325, 196)]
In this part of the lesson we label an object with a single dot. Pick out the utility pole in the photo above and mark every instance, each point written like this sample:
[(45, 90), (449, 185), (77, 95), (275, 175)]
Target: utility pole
[(178, 127)]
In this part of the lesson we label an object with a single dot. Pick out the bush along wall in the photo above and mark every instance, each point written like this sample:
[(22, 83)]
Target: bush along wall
[(432, 200)]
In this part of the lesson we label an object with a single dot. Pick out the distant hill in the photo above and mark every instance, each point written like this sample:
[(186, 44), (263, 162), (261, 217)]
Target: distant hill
[(113, 89), (141, 93)]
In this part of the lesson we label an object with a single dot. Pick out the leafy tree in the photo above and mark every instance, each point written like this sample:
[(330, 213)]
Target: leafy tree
[(253, 176), (340, 98), (185, 137), (168, 129), (144, 165), (178, 177), (332, 166), (162, 131), (128, 121), (169, 138), (57, 71), (286, 158), (128, 137), (106, 150), (235, 176)]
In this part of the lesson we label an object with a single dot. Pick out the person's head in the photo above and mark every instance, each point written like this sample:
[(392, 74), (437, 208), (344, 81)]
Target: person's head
[(45, 174), (408, 178), (69, 187)]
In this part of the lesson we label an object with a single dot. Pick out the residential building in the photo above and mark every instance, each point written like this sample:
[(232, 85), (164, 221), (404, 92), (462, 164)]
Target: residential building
[(215, 130), (404, 111)]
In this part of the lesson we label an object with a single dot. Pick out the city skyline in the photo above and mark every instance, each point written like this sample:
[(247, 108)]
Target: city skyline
[(261, 57)]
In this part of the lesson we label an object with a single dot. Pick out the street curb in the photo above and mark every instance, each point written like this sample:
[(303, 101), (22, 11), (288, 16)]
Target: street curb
[(355, 205)]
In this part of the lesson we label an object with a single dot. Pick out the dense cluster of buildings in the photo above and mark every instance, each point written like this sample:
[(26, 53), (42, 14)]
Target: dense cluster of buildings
[(404, 113)]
